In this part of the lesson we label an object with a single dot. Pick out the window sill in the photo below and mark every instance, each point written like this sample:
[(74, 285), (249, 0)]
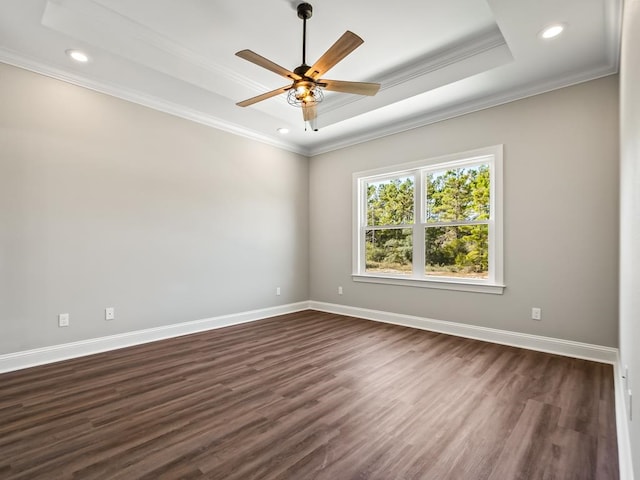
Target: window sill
[(441, 284)]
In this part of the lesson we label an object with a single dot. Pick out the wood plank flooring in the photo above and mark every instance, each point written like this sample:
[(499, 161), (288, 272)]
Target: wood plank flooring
[(311, 396)]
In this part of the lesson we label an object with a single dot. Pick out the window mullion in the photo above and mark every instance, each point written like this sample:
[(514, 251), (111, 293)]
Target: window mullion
[(362, 262), (399, 226), (418, 229), (458, 223)]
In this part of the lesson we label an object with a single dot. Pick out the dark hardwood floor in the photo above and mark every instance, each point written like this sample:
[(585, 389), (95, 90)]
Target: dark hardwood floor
[(311, 396)]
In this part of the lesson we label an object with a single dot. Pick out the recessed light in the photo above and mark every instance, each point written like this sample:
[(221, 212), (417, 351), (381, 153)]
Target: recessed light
[(552, 31), (78, 56), (283, 131)]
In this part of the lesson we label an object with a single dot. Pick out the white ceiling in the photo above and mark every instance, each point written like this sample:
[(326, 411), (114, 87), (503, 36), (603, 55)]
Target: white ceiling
[(434, 58)]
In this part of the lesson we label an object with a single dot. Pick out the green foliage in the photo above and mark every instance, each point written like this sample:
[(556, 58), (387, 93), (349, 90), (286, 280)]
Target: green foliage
[(459, 250), (459, 194), (390, 203), (390, 249)]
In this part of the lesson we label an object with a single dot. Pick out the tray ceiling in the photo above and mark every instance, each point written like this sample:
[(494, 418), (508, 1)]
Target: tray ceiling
[(434, 59)]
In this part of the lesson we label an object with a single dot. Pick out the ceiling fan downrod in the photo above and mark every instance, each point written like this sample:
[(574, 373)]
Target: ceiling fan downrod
[(305, 11)]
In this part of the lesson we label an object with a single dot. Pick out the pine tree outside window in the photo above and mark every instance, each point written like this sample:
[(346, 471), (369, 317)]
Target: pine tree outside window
[(435, 223)]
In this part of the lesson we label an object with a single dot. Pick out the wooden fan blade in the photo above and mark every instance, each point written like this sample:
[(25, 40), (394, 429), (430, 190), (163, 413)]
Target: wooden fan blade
[(359, 88), (268, 64), (310, 114), (264, 96), (346, 44)]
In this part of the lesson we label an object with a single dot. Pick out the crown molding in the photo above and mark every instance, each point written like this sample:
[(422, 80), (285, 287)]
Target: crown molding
[(9, 57), (471, 47), (468, 48), (12, 58), (613, 21), (71, 17), (470, 106)]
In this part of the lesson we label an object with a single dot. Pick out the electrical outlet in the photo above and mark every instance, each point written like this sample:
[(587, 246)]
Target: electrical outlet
[(277, 290), (63, 320), (339, 290), (109, 313), (536, 313)]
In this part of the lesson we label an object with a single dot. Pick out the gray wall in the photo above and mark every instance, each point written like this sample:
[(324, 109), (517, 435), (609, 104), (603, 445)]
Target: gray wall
[(105, 203), (560, 205), (630, 213)]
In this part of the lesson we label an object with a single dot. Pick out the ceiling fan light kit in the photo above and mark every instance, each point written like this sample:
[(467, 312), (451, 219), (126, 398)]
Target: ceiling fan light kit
[(306, 90)]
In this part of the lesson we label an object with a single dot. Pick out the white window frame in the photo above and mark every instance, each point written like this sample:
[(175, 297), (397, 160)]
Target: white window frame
[(494, 284)]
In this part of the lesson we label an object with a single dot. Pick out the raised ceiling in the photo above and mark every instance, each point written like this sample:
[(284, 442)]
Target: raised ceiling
[(435, 59)]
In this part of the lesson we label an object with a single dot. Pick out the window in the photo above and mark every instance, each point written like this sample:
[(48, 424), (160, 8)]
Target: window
[(435, 223)]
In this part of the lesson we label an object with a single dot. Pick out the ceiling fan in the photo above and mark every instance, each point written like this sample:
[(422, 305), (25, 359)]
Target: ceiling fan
[(307, 86)]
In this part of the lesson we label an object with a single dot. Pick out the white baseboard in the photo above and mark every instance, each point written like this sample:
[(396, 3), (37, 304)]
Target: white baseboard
[(567, 348), (532, 342), (622, 424), (39, 356), (30, 358), (56, 353)]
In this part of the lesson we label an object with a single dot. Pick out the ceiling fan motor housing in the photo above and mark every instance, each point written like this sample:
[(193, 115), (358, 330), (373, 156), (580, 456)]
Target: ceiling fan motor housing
[(305, 10), (302, 70)]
